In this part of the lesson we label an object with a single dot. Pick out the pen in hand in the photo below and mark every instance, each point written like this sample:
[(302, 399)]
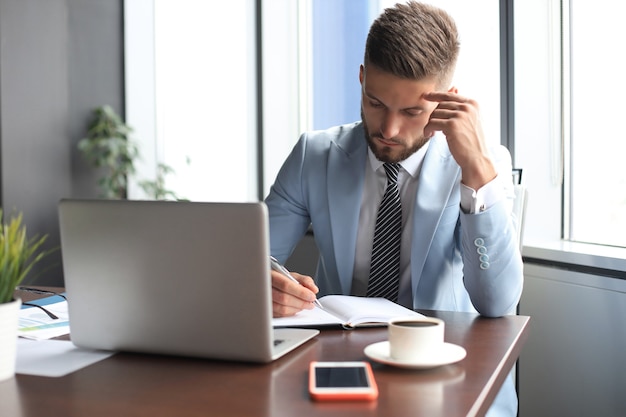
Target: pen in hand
[(276, 266)]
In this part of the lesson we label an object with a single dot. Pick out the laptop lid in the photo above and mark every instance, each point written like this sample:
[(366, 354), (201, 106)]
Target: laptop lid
[(178, 278)]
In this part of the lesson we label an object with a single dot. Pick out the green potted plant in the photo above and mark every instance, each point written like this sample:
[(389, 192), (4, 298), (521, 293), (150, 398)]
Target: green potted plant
[(18, 254), (108, 145)]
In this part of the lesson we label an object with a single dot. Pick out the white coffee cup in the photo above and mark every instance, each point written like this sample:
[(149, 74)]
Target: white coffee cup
[(413, 338)]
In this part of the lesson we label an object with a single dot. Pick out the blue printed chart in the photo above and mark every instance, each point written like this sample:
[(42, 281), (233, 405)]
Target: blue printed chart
[(35, 324)]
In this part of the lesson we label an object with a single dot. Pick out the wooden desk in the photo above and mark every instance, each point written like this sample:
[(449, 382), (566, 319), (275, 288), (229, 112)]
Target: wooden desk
[(146, 385)]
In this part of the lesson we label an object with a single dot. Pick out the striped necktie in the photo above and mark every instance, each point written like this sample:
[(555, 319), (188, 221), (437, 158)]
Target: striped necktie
[(385, 264)]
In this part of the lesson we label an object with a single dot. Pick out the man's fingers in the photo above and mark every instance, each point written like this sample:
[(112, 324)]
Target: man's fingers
[(290, 297), (306, 281), (454, 113), (284, 305), (304, 289), (441, 96)]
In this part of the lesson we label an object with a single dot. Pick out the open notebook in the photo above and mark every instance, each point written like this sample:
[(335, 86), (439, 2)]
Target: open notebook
[(179, 278), (349, 312)]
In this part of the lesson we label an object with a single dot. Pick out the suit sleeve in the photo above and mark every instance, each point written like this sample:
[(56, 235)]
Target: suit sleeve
[(288, 214), (492, 263)]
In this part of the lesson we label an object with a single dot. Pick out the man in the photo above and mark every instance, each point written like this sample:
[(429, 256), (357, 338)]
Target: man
[(458, 248)]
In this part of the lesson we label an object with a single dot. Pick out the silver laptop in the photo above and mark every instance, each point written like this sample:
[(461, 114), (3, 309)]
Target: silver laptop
[(175, 278)]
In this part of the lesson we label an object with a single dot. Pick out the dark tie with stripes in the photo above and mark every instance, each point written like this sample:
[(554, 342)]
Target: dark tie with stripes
[(385, 265)]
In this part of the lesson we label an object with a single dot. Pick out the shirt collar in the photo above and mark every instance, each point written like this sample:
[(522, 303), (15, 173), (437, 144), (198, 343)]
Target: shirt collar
[(411, 165)]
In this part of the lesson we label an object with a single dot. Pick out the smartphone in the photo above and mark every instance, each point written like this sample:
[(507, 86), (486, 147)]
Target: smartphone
[(330, 381)]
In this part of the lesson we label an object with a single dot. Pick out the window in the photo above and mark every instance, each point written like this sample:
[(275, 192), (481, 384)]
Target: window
[(597, 175), (567, 85), (191, 95), (191, 82)]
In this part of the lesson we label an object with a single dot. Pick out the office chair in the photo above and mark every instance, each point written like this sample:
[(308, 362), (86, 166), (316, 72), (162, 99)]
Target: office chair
[(519, 205), (519, 210)]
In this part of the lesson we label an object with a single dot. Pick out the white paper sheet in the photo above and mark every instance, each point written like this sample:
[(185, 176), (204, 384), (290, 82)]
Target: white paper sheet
[(54, 358)]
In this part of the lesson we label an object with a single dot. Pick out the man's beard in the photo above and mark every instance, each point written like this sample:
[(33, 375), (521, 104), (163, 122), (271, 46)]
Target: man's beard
[(384, 154)]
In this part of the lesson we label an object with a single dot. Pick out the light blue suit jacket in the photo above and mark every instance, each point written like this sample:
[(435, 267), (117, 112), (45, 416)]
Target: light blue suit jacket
[(459, 261)]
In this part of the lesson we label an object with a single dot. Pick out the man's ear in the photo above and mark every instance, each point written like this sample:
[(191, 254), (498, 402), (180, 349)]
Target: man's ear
[(361, 73)]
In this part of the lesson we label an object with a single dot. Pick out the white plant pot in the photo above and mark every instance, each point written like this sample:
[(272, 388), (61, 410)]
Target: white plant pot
[(9, 313)]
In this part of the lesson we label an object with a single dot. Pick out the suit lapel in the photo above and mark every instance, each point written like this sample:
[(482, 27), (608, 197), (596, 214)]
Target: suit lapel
[(345, 188), (439, 175)]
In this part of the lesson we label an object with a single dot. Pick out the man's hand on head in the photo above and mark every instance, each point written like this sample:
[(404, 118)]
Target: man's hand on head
[(459, 119)]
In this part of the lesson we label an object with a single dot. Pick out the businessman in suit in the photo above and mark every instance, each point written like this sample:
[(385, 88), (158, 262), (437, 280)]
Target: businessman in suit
[(458, 247), (458, 243)]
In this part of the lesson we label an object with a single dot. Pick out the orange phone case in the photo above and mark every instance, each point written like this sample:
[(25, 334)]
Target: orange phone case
[(368, 394)]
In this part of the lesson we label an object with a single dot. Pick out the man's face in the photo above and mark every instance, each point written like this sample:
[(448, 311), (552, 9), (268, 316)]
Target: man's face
[(394, 113)]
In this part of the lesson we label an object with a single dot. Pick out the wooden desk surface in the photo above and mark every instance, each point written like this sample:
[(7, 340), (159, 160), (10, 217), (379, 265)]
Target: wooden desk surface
[(149, 385)]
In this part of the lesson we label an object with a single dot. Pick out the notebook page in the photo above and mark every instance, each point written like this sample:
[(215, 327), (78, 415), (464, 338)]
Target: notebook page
[(354, 311), (307, 318)]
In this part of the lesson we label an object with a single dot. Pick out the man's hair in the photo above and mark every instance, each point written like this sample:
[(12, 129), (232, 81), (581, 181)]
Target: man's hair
[(414, 41)]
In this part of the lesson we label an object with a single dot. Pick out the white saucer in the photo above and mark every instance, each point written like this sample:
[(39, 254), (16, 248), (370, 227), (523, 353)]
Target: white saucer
[(447, 354)]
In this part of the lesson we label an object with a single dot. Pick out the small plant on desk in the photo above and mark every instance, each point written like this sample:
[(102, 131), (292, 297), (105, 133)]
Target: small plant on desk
[(18, 254)]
